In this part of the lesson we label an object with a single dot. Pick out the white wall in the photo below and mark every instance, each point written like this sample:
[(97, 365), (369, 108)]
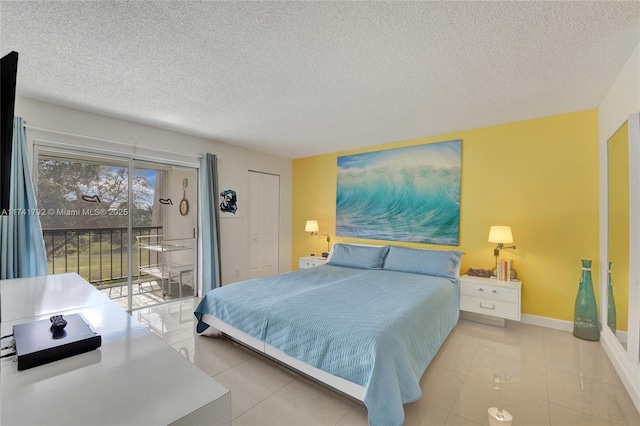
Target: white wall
[(234, 164), (622, 99)]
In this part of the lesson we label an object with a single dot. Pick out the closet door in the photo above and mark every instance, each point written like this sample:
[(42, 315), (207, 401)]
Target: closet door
[(264, 215), (166, 260)]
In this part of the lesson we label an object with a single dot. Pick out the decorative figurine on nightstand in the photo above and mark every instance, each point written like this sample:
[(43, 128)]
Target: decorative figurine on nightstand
[(477, 272), (585, 322)]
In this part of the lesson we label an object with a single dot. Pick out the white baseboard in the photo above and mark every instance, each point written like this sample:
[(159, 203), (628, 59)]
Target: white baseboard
[(547, 322), (561, 325)]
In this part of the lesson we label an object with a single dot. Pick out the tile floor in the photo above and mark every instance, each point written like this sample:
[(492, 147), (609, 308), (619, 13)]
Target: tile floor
[(146, 294), (541, 376)]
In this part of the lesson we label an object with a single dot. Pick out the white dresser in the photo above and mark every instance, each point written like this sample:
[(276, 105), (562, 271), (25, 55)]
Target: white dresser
[(311, 261), (498, 300), (134, 378)]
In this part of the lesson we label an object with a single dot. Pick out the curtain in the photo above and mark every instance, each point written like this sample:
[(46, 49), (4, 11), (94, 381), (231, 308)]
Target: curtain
[(210, 223), (22, 252)]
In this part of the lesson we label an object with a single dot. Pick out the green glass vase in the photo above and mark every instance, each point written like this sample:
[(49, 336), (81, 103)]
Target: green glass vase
[(611, 305), (585, 322)]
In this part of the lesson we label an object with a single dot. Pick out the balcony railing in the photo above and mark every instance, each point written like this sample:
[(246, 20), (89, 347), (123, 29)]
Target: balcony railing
[(99, 255)]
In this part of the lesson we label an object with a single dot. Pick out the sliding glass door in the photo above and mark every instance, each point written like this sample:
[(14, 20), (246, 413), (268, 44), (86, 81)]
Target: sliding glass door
[(85, 203), (166, 257), (111, 220)]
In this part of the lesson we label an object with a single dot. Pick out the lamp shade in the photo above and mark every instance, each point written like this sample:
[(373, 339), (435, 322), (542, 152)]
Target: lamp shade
[(500, 234), (311, 226)]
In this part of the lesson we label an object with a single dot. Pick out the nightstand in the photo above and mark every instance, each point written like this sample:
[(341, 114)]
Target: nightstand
[(494, 300), (311, 261)]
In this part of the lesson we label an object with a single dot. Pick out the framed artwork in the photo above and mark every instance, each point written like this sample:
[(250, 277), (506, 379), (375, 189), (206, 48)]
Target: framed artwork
[(229, 203), (407, 194)]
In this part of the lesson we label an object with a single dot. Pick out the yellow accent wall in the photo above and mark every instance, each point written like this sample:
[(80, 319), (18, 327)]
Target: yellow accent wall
[(539, 176)]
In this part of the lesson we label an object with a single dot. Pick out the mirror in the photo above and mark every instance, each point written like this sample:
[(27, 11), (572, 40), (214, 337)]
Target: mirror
[(618, 185)]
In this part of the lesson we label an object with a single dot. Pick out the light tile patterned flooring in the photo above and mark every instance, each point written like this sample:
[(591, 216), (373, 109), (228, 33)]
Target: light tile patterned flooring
[(541, 376), (146, 294)]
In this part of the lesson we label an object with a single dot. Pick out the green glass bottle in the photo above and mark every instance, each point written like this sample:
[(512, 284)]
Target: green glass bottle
[(611, 305), (585, 322)]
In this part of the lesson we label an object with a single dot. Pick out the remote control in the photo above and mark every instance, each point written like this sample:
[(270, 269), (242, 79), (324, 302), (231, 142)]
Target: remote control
[(57, 322)]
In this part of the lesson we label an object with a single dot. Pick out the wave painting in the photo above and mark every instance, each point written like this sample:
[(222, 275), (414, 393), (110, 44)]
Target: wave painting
[(406, 194)]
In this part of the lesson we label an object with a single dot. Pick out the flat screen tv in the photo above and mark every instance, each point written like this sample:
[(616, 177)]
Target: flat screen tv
[(8, 73)]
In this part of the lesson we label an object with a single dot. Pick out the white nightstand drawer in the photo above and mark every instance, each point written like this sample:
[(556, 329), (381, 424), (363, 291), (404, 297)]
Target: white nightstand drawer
[(490, 298), (310, 262), (490, 292), (490, 307)]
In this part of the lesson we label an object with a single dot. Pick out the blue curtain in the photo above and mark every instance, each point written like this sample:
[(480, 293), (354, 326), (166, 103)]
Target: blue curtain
[(210, 223), (22, 252)]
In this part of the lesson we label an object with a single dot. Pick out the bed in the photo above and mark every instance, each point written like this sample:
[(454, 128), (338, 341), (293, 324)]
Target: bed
[(367, 323)]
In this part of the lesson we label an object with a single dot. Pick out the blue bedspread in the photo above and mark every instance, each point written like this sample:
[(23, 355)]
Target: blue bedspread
[(379, 329)]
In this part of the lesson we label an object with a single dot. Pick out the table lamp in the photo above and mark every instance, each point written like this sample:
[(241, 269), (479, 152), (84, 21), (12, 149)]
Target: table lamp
[(312, 227)]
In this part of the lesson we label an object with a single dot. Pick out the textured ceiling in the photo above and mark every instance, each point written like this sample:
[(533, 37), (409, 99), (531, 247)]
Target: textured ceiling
[(304, 78)]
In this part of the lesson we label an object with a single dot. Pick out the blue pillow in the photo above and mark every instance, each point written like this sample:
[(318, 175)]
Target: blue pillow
[(438, 263), (353, 256)]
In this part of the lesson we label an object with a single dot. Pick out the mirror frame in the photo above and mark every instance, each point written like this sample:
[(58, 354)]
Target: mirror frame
[(617, 273), (633, 325), (633, 329)]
